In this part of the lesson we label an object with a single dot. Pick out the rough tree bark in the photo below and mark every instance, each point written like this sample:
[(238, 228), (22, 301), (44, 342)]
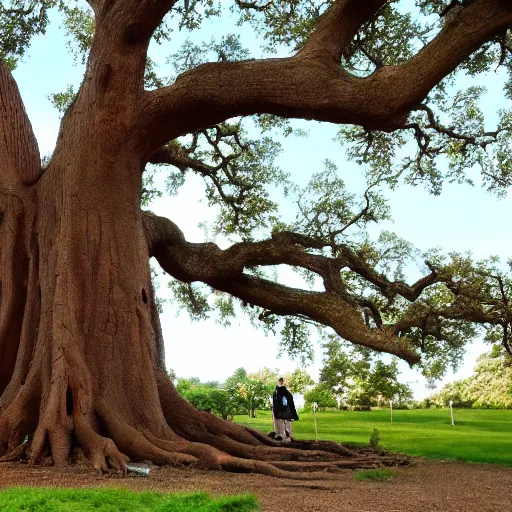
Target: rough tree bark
[(80, 343)]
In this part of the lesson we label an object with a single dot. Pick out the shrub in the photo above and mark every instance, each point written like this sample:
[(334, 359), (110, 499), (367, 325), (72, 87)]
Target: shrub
[(375, 440), (322, 395), (374, 474), (216, 401)]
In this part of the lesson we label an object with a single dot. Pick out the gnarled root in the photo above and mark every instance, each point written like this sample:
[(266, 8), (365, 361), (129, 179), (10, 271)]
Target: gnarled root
[(109, 440)]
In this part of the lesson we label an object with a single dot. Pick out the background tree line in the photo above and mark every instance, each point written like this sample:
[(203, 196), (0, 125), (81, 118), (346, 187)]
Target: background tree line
[(356, 377), (350, 378), (241, 393)]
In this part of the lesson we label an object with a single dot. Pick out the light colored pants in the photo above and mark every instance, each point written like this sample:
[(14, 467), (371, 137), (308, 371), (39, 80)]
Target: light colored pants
[(282, 427)]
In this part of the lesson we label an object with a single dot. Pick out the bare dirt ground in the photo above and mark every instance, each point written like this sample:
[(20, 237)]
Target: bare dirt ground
[(425, 486)]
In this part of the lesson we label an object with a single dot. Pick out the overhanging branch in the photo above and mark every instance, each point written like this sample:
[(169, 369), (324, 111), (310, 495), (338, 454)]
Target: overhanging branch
[(224, 271), (314, 88), (337, 307)]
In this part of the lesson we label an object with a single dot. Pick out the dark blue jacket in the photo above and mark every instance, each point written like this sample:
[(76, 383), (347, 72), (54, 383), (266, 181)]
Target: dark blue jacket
[(281, 412)]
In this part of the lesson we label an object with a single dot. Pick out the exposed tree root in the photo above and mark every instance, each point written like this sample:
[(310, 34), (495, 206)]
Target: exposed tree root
[(109, 441), (60, 406), (18, 453)]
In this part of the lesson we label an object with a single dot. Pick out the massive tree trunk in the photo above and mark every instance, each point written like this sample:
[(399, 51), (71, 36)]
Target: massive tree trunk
[(80, 343)]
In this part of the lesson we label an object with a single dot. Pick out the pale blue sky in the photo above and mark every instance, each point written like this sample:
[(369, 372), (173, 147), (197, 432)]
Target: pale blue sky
[(461, 219)]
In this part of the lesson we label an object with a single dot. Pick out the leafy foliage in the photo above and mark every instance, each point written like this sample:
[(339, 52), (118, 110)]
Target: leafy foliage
[(209, 397), (374, 442), (63, 100), (359, 378), (322, 395), (79, 25), (299, 381), (19, 22), (268, 376), (249, 394)]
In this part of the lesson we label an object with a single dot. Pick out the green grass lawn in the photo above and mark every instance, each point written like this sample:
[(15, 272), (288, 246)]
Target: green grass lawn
[(478, 435), (112, 500)]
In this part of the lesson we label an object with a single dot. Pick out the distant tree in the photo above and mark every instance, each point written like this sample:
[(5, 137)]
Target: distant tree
[(239, 375), (183, 385), (251, 395), (322, 395), (337, 365), (360, 376), (299, 381), (266, 375), (214, 384), (490, 386), (248, 394)]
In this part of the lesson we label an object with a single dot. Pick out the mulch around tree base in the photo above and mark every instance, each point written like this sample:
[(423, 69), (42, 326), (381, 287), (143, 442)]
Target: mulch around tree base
[(424, 486)]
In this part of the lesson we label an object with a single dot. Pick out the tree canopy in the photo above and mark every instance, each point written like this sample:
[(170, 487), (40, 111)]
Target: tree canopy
[(407, 58)]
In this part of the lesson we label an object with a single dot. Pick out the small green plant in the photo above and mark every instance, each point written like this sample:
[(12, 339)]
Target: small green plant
[(374, 474), (375, 439)]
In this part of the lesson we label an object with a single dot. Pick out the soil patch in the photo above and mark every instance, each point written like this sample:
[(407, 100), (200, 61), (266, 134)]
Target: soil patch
[(425, 486)]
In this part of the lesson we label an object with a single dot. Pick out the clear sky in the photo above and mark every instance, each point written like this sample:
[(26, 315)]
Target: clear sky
[(461, 219)]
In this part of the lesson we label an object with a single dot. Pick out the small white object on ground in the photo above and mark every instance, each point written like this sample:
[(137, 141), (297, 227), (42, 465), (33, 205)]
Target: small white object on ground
[(451, 412), (137, 469)]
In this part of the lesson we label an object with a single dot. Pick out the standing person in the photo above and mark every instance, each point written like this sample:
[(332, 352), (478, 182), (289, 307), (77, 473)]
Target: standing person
[(284, 412)]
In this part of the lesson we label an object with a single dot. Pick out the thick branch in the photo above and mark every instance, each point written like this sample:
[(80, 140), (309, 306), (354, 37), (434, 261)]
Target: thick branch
[(356, 263), (254, 5), (428, 319), (150, 13), (19, 153), (129, 23), (174, 155), (224, 271), (311, 88), (338, 26)]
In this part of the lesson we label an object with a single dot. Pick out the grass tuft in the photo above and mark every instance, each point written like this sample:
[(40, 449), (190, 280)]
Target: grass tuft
[(374, 474), (117, 500)]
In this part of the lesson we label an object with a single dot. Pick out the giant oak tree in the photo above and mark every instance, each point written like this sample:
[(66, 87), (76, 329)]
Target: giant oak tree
[(81, 349)]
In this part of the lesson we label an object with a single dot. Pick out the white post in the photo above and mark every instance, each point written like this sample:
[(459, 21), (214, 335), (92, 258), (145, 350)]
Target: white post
[(314, 406), (391, 410), (451, 412)]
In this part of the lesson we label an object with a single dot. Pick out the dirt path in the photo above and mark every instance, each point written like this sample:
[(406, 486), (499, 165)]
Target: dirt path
[(426, 486)]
